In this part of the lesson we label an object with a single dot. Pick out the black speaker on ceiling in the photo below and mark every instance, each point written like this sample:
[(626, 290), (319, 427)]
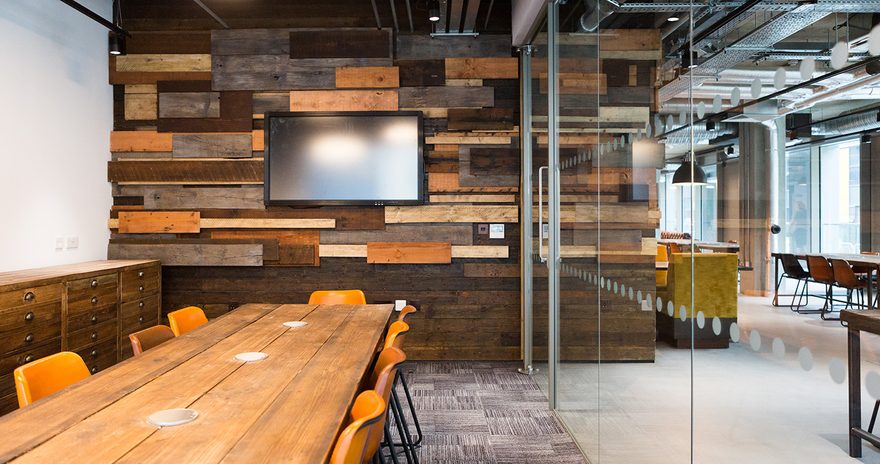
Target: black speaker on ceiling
[(797, 125)]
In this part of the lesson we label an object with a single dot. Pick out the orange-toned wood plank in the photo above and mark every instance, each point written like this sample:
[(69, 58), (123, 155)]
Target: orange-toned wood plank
[(259, 140), (343, 100), (409, 253), (154, 222), (143, 141), (482, 68), (367, 77), (296, 247)]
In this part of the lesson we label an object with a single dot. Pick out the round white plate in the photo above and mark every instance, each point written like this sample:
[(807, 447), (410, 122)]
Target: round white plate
[(172, 417), (251, 356), (295, 324)]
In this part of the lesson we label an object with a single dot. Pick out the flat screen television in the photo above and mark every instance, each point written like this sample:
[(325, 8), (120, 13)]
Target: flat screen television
[(344, 158)]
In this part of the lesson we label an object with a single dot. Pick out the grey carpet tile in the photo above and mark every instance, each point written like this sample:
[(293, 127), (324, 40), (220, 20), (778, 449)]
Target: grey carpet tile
[(485, 412)]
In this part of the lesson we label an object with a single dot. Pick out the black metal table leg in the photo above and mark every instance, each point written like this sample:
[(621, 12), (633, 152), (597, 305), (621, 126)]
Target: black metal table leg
[(776, 275), (855, 392)]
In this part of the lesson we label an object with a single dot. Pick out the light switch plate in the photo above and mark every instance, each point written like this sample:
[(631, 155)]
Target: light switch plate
[(483, 229), (496, 230), (399, 305), (59, 243), (72, 243)]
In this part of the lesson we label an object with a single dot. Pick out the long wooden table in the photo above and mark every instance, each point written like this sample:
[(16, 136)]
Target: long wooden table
[(287, 408), (858, 322), (869, 262)]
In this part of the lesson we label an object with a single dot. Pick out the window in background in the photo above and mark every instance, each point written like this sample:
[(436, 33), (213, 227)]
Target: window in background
[(675, 204), (839, 204), (797, 206), (708, 205)]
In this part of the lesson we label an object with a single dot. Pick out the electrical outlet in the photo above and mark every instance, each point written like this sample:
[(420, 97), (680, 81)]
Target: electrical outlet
[(496, 230), (399, 305), (59, 243), (483, 229), (72, 243)]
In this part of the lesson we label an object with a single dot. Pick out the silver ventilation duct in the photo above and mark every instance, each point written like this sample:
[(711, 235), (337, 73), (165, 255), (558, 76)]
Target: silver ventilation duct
[(597, 10), (847, 124), (701, 134)]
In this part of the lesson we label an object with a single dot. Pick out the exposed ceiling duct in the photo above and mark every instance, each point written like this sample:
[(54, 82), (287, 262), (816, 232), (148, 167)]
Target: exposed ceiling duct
[(847, 124), (701, 134), (596, 11)]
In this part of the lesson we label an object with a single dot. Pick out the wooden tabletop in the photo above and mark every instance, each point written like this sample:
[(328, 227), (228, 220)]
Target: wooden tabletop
[(726, 246), (856, 258), (869, 321), (287, 408)]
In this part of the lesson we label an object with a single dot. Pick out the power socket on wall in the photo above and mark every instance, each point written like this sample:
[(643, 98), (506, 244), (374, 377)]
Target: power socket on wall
[(66, 243)]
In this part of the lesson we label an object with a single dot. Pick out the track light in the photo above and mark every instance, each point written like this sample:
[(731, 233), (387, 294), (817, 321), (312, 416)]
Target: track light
[(673, 19), (434, 11), (116, 44)]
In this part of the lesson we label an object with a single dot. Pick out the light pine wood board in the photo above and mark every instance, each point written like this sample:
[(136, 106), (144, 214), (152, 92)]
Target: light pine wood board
[(140, 106), (482, 68), (252, 223), (163, 63), (451, 213), (122, 425), (46, 419), (374, 77), (158, 222), (409, 253), (343, 100), (472, 198), (458, 251)]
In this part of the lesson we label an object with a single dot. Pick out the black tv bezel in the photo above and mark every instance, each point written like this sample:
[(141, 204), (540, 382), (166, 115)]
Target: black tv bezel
[(374, 202)]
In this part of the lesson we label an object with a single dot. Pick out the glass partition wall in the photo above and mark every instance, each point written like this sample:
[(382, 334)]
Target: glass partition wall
[(677, 157)]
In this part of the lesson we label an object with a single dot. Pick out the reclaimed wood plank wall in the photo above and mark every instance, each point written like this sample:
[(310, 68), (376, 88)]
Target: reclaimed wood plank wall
[(187, 174)]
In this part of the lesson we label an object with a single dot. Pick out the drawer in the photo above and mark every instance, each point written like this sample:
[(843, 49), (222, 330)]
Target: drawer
[(9, 362), (86, 337), (137, 322), (144, 305), (85, 319), (83, 294), (137, 283), (31, 296), (100, 356), (30, 335), (23, 318)]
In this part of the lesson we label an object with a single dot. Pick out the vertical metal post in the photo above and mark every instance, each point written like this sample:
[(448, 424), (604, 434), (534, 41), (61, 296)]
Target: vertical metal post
[(553, 202), (525, 205)]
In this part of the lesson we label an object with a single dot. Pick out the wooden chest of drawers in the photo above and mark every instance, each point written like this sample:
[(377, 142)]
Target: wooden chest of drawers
[(89, 308)]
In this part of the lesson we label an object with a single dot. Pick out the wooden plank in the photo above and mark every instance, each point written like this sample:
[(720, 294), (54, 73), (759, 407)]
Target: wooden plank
[(236, 115), (192, 172), (409, 253), (189, 105), (367, 77), (451, 213), (423, 47), (270, 72), (460, 139), (158, 222), (212, 146), (163, 63), (250, 42), (195, 254), (265, 102), (140, 106), (347, 217), (464, 82), (316, 392), (343, 251), (467, 119), (492, 270), (257, 223), (175, 197), (162, 42), (138, 78), (296, 248), (482, 68), (449, 182), (446, 97), (245, 395), (343, 100), (456, 234), (484, 251), (139, 141), (472, 199), (422, 73), (341, 43), (45, 419)]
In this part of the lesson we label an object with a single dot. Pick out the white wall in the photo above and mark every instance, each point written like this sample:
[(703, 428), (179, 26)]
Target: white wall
[(56, 114)]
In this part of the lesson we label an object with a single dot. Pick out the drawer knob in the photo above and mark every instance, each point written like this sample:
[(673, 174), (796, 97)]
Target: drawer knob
[(141, 304), (29, 296), (94, 318), (140, 273), (94, 283), (141, 289), (28, 358), (94, 353), (94, 300), (141, 319), (29, 316), (94, 335), (29, 338), (94, 369)]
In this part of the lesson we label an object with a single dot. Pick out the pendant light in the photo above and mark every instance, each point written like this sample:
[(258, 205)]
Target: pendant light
[(433, 11), (682, 176), (116, 41)]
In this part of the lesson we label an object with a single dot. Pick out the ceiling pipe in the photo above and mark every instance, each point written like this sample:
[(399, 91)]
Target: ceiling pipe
[(96, 17), (376, 13)]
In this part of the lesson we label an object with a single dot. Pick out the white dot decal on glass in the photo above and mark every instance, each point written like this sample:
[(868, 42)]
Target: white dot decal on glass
[(615, 288), (805, 358), (639, 296), (658, 128), (701, 319), (670, 122), (614, 144), (649, 298), (872, 384), (649, 131), (648, 304), (630, 293), (735, 96), (755, 340), (839, 55), (778, 348), (682, 118), (701, 110), (682, 313), (807, 68), (602, 282), (716, 325), (756, 88), (734, 332), (659, 304), (837, 370), (670, 309), (779, 78), (608, 284), (874, 41), (716, 104)]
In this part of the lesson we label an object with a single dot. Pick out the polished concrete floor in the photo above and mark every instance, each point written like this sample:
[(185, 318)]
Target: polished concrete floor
[(749, 406)]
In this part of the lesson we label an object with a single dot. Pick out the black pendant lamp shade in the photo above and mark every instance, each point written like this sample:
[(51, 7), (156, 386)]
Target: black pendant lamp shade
[(117, 44), (433, 10), (682, 175)]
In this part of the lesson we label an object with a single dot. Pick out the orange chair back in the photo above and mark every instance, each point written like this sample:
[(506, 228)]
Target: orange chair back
[(395, 334), (382, 379), (405, 312), (820, 269), (351, 446), (186, 320), (662, 253), (338, 297), (47, 375), (844, 274), (150, 337)]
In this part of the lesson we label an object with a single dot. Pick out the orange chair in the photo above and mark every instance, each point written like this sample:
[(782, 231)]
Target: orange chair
[(382, 378), (662, 258), (395, 334), (186, 320), (47, 375), (397, 341), (338, 297), (149, 338), (352, 442), (405, 312)]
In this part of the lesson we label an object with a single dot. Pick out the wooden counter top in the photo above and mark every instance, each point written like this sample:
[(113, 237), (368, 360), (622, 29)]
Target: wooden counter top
[(30, 277)]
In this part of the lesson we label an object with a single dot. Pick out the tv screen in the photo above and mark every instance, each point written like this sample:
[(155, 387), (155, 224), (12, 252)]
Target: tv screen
[(359, 158)]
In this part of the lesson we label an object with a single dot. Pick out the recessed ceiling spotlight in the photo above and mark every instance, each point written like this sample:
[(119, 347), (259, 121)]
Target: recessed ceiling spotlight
[(673, 19)]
